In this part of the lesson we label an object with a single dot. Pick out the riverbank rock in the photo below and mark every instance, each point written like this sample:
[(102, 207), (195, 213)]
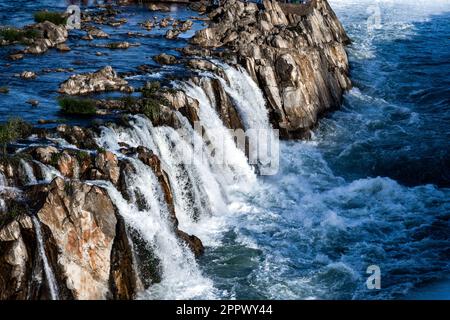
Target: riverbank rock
[(299, 61), (105, 79), (164, 58), (52, 35)]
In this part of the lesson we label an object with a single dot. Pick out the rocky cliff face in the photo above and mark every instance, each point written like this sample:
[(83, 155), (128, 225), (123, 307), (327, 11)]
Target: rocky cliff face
[(298, 60), (65, 227)]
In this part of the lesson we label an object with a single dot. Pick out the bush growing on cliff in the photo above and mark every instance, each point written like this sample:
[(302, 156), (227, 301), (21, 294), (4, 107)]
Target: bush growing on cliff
[(54, 17), (77, 107), (12, 130)]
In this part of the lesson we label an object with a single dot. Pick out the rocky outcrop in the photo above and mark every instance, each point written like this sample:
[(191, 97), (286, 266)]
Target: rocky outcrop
[(52, 35), (81, 221), (298, 60), (105, 79)]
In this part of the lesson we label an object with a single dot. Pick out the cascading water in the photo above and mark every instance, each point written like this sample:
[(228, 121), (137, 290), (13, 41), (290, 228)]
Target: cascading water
[(49, 275), (27, 172), (228, 159), (180, 275)]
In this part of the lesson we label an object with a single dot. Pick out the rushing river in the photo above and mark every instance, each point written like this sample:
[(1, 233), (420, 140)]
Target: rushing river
[(371, 188)]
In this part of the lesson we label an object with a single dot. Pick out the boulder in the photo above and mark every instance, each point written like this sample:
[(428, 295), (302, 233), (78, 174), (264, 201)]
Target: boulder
[(164, 58), (105, 79), (80, 219)]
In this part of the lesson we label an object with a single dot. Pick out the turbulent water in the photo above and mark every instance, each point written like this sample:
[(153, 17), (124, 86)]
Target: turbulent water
[(370, 188)]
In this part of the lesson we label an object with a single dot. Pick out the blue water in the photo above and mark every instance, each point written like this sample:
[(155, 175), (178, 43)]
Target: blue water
[(371, 188), (82, 57)]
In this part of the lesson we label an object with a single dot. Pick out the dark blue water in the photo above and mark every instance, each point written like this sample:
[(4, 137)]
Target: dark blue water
[(82, 57)]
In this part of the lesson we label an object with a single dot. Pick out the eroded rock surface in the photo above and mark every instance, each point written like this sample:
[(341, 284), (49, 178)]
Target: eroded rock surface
[(105, 79), (298, 60)]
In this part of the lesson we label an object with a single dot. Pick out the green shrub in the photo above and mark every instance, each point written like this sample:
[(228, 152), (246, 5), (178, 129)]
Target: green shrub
[(12, 130), (55, 17), (151, 108), (77, 106), (11, 34), (150, 89)]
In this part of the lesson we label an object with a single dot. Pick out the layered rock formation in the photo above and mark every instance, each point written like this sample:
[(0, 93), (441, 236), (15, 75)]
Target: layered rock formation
[(105, 79), (298, 60)]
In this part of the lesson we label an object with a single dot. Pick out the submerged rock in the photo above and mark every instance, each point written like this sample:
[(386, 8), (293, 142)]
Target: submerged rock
[(164, 58), (105, 79)]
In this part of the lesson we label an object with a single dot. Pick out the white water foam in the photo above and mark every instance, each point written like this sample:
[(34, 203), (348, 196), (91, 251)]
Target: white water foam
[(181, 277), (49, 275)]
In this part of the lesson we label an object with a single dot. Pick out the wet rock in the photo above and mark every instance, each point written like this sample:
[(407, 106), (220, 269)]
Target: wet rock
[(28, 75), (193, 242), (81, 137), (98, 33), (62, 47), (202, 65), (107, 168), (81, 222), (164, 23), (45, 154), (172, 34), (33, 102), (15, 260), (17, 56), (105, 79), (185, 26), (298, 60), (164, 58), (159, 7)]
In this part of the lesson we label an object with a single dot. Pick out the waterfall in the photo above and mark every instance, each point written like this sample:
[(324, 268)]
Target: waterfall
[(195, 187), (180, 276), (250, 104), (49, 275), (229, 160), (27, 172), (48, 172)]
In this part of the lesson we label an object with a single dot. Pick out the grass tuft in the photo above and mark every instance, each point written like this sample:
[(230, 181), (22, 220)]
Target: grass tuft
[(76, 106), (54, 17)]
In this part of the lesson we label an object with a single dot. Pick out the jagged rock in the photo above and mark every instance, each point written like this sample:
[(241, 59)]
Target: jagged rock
[(158, 7), (202, 65), (56, 34), (45, 154), (105, 79), (181, 102), (81, 137), (15, 260), (28, 75), (172, 34), (164, 58), (298, 59), (52, 36), (185, 26), (81, 221), (106, 164), (98, 33)]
